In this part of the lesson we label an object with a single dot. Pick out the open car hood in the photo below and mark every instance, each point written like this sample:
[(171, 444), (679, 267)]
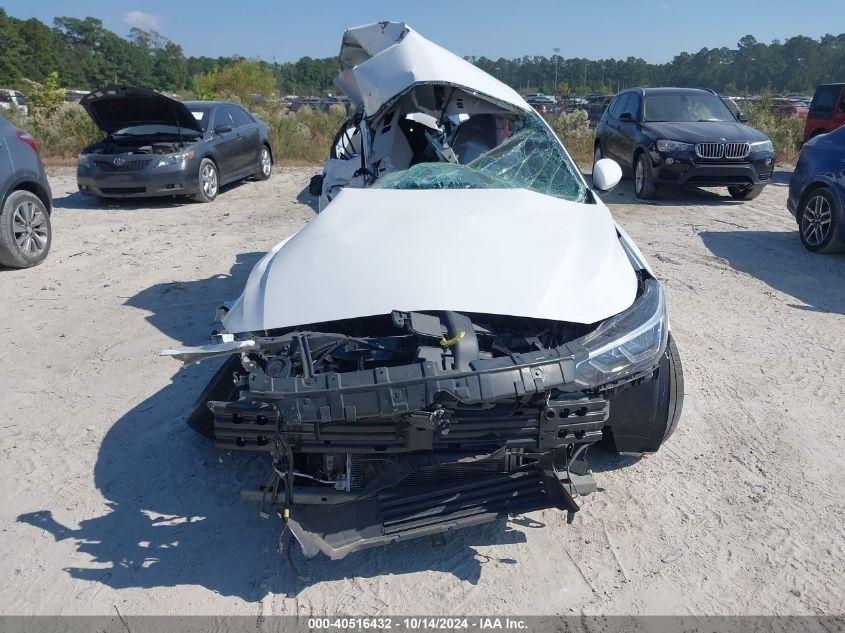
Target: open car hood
[(496, 251), (117, 107), (383, 60)]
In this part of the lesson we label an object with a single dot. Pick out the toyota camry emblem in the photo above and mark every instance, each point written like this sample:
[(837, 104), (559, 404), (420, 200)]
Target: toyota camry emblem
[(118, 161)]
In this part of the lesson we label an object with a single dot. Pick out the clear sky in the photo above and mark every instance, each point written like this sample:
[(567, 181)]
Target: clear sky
[(654, 30)]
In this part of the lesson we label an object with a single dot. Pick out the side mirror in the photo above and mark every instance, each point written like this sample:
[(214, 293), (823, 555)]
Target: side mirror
[(606, 174), (222, 129), (626, 117), (742, 117)]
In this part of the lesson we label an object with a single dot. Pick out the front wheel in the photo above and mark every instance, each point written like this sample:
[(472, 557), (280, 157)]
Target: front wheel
[(644, 185), (644, 415), (209, 181), (676, 388), (745, 192), (25, 230), (819, 221), (265, 164)]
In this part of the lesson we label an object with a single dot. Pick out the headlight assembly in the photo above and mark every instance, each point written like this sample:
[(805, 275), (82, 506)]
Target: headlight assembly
[(175, 159), (629, 342), (664, 145), (762, 146), (83, 160)]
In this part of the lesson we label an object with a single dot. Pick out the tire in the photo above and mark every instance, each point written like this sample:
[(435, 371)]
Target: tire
[(265, 164), (819, 223), (676, 388), (25, 230), (745, 192), (643, 416), (208, 181), (644, 186), (598, 154)]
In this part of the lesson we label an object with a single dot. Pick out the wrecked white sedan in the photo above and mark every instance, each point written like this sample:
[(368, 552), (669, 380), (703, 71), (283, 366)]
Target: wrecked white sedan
[(455, 329)]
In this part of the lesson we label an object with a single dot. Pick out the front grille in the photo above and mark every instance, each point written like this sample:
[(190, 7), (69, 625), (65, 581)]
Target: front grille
[(710, 150), (128, 167), (737, 150), (716, 151)]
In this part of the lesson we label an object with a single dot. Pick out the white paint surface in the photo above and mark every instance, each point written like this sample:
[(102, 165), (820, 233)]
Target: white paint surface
[(401, 58), (497, 251)]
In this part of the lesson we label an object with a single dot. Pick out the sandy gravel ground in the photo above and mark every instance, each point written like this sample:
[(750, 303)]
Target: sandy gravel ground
[(108, 499)]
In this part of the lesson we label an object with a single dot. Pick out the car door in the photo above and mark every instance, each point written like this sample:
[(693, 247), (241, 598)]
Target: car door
[(839, 115), (628, 129), (225, 142), (614, 131), (249, 140), (604, 129)]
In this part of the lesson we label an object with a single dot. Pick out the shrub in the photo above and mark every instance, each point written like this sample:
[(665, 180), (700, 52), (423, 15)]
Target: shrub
[(238, 82), (304, 135), (786, 133), (573, 129), (61, 134), (47, 98)]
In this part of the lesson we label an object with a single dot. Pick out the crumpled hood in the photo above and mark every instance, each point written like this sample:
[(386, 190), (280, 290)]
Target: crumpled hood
[(117, 107), (706, 131), (496, 251)]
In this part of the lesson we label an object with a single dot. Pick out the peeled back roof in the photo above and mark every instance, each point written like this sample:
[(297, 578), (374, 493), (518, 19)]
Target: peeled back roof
[(383, 60)]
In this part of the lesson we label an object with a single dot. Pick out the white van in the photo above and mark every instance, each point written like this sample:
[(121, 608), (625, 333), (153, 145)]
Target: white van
[(13, 100)]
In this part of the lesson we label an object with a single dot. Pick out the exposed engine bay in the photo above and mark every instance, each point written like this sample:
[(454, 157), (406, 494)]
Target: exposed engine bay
[(392, 427), (137, 146)]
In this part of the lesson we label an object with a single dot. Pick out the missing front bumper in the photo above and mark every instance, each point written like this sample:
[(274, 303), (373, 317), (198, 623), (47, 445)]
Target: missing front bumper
[(339, 526)]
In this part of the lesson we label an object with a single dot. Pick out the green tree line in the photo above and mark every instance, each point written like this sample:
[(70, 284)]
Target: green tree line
[(85, 55)]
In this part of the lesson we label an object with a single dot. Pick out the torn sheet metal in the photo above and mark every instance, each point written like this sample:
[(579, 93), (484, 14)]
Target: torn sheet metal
[(190, 355), (383, 60), (496, 251)]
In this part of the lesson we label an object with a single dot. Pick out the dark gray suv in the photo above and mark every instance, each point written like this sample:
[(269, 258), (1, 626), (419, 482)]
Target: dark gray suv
[(25, 200), (157, 146)]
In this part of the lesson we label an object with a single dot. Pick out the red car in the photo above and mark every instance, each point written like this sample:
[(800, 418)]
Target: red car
[(790, 108), (827, 111)]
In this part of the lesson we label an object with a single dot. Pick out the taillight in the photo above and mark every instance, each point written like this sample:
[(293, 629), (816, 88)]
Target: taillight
[(27, 138)]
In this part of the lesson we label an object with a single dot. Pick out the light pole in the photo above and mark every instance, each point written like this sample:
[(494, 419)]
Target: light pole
[(554, 87)]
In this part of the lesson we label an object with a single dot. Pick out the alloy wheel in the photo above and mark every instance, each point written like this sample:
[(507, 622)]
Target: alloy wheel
[(29, 228), (266, 162), (639, 176), (208, 177), (816, 220)]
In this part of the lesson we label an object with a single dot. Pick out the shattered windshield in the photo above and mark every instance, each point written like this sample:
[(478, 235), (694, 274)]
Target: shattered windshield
[(531, 158)]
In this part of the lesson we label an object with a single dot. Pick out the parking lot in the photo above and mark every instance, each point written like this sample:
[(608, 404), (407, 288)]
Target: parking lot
[(111, 501)]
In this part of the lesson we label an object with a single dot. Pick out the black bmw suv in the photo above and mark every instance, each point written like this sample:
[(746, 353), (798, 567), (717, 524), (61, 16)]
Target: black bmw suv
[(684, 137)]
